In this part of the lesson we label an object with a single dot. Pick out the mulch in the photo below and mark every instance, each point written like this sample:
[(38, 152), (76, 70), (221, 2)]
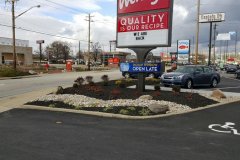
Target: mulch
[(111, 91)]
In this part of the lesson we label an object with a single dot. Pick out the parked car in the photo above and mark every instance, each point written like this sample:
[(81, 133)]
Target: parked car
[(237, 74), (190, 76), (231, 69)]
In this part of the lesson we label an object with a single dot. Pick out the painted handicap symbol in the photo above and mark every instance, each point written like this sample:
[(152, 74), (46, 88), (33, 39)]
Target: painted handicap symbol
[(228, 127)]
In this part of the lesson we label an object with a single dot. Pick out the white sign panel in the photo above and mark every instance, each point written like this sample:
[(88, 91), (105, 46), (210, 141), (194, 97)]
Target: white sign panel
[(144, 29), (224, 37), (183, 46), (213, 17)]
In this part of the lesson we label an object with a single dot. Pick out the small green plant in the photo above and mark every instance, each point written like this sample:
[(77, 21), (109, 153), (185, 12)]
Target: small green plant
[(152, 81), (78, 107), (107, 109), (52, 105), (144, 112), (131, 109), (89, 80), (121, 83), (124, 112), (105, 80)]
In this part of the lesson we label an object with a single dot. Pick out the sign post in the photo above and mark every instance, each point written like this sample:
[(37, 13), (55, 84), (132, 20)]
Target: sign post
[(143, 26), (40, 42), (210, 18)]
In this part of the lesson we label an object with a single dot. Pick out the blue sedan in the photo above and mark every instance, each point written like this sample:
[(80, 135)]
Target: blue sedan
[(191, 76)]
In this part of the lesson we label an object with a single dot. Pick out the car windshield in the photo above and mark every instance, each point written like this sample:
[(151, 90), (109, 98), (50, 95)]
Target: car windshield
[(185, 69)]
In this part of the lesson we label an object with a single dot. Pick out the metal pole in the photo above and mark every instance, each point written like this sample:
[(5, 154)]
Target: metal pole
[(89, 27), (14, 36), (210, 45), (214, 43), (40, 49), (197, 32)]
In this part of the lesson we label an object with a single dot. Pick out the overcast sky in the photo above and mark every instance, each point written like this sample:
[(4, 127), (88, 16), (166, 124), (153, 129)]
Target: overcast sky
[(66, 18)]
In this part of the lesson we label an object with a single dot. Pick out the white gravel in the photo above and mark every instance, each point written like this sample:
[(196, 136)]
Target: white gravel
[(84, 101)]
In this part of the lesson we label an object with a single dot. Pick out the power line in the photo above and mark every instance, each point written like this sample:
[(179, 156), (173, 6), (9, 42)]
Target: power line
[(59, 4), (47, 34)]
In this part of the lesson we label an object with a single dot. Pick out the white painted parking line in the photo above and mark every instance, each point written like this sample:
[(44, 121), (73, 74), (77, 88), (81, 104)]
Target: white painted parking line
[(228, 87), (232, 78)]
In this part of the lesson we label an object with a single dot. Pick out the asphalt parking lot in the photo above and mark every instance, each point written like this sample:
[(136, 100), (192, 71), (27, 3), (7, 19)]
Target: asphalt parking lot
[(38, 135)]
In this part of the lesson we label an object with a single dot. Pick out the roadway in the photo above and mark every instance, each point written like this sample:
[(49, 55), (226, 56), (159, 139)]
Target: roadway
[(13, 87)]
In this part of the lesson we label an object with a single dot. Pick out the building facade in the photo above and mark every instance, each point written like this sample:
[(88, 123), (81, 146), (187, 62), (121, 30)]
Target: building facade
[(23, 52)]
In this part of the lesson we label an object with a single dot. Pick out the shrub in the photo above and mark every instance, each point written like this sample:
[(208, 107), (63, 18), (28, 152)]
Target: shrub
[(121, 83), (10, 72), (124, 112), (75, 85), (176, 89), (52, 105), (152, 81), (105, 80), (157, 87), (144, 112), (79, 81), (59, 90), (89, 80)]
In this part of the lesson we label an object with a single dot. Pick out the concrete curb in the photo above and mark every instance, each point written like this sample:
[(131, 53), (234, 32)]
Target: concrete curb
[(110, 115), (19, 77)]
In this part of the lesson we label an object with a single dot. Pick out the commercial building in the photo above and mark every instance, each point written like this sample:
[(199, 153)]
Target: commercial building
[(23, 52)]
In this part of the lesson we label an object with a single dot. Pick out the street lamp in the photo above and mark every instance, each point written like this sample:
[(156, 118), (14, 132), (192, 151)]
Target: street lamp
[(13, 30)]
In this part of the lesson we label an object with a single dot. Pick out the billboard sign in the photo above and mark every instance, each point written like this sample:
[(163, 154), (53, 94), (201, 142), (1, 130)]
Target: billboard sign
[(183, 46), (144, 23), (224, 37), (212, 17), (140, 67)]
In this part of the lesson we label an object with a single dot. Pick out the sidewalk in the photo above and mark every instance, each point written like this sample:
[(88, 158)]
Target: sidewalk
[(19, 100)]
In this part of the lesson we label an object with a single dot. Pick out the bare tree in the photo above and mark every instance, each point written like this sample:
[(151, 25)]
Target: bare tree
[(96, 50), (58, 50)]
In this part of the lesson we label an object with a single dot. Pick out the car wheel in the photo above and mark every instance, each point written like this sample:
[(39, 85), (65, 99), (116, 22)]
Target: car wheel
[(127, 75), (151, 75), (189, 84), (214, 83), (236, 75)]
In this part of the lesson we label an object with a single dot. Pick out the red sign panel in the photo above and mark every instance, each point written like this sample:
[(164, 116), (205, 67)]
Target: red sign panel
[(145, 22), (129, 6)]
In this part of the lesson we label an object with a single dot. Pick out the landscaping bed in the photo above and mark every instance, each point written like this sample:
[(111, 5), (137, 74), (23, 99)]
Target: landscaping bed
[(115, 97)]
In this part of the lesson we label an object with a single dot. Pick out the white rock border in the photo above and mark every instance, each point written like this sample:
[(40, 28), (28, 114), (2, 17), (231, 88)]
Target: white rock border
[(83, 101)]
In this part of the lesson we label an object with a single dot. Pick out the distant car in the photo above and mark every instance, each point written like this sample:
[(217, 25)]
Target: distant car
[(190, 76), (135, 75), (237, 74), (231, 69)]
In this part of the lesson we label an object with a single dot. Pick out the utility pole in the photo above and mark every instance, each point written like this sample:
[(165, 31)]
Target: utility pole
[(210, 45), (214, 43), (79, 50), (14, 35), (236, 44), (89, 36), (197, 32)]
